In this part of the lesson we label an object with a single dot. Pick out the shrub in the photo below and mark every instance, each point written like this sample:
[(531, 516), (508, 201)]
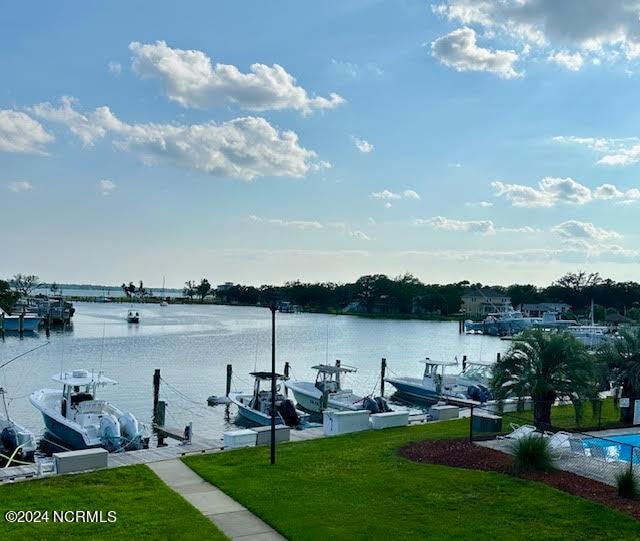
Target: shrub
[(627, 484), (532, 453)]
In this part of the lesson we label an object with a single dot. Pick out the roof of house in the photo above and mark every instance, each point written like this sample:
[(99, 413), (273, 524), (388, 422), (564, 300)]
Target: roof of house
[(484, 292)]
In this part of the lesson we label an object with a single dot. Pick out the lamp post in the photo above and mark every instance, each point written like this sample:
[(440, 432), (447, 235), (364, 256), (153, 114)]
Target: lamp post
[(273, 306)]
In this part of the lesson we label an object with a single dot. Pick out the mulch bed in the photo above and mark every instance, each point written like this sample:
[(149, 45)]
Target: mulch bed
[(459, 453)]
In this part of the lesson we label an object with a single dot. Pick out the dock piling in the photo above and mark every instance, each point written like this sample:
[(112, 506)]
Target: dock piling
[(286, 375), (228, 388)]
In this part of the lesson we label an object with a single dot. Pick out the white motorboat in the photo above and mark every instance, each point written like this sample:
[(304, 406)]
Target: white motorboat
[(501, 323), (28, 322), (470, 384), (133, 316), (16, 442), (327, 392), (74, 416), (590, 335), (257, 405)]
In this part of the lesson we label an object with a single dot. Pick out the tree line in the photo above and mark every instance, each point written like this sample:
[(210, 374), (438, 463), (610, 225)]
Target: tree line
[(406, 294), (379, 294)]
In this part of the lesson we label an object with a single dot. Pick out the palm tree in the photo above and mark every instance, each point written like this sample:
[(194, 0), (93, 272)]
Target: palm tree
[(545, 366), (621, 356)]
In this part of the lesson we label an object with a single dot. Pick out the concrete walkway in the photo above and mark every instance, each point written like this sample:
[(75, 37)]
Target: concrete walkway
[(234, 520)]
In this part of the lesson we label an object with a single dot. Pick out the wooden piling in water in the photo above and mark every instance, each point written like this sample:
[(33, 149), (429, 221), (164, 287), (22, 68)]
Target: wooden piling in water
[(156, 392), (228, 388), (383, 368), (286, 375)]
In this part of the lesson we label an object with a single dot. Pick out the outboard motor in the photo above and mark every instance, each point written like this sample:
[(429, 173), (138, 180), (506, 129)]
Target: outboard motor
[(9, 439), (110, 432), (370, 404), (485, 393), (130, 431), (382, 404), (473, 391), (288, 412)]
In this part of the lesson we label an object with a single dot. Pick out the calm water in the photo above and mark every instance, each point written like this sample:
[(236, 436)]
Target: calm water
[(192, 345)]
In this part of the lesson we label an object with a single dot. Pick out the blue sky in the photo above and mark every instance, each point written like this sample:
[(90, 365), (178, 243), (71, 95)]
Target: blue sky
[(263, 142)]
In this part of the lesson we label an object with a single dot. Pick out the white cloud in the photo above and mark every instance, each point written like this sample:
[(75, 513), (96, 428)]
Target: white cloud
[(459, 50), (614, 152), (597, 29), (525, 229), (484, 227), (572, 62), (107, 187), (189, 78), (354, 71), (20, 186), (297, 224), (573, 229), (341, 227), (115, 68), (242, 148), (481, 204), (631, 196), (88, 128), (359, 235), (361, 144), (607, 191), (551, 191), (392, 196), (385, 194), (21, 133)]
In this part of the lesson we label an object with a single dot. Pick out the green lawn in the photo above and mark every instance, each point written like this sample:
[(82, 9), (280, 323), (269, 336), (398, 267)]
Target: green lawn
[(564, 417), (356, 487), (346, 487), (145, 508)]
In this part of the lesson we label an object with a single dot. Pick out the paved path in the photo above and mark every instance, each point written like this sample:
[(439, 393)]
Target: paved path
[(234, 520)]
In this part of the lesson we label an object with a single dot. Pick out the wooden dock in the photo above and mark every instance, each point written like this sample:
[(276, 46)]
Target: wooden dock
[(166, 452)]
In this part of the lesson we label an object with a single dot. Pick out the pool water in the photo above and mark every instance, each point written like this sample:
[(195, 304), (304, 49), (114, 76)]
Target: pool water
[(623, 451)]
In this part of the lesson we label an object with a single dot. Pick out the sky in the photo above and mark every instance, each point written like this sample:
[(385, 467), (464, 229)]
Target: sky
[(495, 141)]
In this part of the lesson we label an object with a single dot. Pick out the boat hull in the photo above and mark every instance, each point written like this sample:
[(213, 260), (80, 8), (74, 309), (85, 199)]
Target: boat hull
[(306, 399), (29, 323), (248, 413), (90, 428), (413, 389), (71, 438)]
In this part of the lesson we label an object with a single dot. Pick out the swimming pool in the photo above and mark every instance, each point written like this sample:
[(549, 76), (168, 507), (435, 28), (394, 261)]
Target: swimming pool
[(624, 447)]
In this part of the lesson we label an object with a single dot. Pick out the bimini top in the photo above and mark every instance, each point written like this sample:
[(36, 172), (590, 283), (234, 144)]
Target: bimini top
[(330, 369), (267, 375), (438, 363), (82, 377)]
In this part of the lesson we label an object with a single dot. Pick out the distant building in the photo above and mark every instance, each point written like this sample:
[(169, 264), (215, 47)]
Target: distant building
[(225, 286), (479, 302), (536, 310)]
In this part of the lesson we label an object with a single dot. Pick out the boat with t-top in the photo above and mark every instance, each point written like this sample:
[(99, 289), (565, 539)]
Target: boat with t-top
[(326, 392), (435, 384), (79, 420), (257, 406)]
